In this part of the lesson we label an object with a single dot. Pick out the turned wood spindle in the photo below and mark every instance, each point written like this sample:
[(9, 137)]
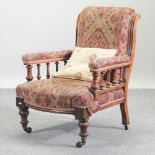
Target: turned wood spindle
[(101, 80), (121, 75), (57, 65), (125, 71), (48, 70), (115, 81), (65, 61), (95, 81), (38, 70), (108, 78), (29, 76)]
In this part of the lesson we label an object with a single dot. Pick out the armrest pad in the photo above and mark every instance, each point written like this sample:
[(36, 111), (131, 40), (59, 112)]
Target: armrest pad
[(40, 56), (101, 63)]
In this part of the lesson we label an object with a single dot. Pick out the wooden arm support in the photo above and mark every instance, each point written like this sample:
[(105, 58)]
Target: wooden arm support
[(107, 79), (29, 67)]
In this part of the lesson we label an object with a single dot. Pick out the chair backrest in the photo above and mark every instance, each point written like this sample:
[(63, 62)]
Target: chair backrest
[(104, 27)]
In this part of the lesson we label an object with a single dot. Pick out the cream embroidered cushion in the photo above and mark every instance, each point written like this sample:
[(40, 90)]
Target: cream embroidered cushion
[(77, 66)]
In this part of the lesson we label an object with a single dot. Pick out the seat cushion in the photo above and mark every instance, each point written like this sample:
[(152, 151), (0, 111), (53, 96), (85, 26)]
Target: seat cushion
[(59, 93), (77, 66)]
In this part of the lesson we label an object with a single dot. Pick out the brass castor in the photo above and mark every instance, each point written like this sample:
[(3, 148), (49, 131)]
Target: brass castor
[(28, 130), (126, 127), (79, 144)]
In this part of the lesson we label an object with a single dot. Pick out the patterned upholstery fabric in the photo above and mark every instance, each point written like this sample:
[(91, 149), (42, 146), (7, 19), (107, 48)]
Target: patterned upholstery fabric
[(104, 27), (99, 63), (97, 27), (62, 93), (29, 57)]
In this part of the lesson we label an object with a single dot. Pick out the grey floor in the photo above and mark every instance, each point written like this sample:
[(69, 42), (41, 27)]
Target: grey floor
[(57, 134)]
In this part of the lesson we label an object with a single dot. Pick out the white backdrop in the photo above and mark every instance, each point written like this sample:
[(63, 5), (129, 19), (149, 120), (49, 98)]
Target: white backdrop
[(45, 25)]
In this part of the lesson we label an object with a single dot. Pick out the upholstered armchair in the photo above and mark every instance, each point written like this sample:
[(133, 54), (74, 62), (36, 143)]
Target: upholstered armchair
[(97, 27)]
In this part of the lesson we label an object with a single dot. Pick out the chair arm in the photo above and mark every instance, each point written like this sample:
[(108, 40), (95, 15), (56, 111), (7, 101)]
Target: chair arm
[(98, 65), (31, 59), (108, 73), (45, 57)]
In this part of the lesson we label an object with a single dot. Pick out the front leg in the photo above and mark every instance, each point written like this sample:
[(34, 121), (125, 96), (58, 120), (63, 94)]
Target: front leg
[(83, 116), (23, 112), (83, 124)]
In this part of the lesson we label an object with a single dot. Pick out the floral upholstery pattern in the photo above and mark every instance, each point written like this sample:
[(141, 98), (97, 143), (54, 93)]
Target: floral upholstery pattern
[(104, 27), (29, 57), (62, 93), (100, 63)]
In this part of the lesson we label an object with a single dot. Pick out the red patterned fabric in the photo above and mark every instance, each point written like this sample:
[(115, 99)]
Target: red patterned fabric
[(110, 96), (104, 27), (63, 93), (100, 63), (29, 57)]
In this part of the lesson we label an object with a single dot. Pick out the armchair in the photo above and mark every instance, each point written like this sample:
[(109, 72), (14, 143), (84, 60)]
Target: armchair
[(97, 27)]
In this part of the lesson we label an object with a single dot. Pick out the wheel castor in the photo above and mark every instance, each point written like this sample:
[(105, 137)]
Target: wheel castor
[(79, 144), (126, 127), (28, 130)]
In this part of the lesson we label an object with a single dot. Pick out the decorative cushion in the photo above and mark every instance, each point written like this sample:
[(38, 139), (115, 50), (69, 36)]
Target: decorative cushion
[(104, 27), (59, 93), (77, 66)]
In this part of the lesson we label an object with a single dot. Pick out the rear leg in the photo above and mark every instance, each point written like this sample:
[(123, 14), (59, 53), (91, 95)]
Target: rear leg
[(125, 115)]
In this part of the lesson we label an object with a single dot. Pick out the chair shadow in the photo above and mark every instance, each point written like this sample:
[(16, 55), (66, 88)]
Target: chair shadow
[(67, 127), (107, 127), (44, 135)]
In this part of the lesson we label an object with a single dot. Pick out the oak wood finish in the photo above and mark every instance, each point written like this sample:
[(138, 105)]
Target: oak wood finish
[(98, 87)]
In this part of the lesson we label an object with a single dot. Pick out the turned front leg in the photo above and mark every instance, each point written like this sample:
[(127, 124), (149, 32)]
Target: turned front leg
[(23, 112), (83, 124), (83, 116)]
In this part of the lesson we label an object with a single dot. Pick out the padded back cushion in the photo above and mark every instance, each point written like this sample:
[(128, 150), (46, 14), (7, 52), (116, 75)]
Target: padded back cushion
[(104, 27), (77, 66)]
